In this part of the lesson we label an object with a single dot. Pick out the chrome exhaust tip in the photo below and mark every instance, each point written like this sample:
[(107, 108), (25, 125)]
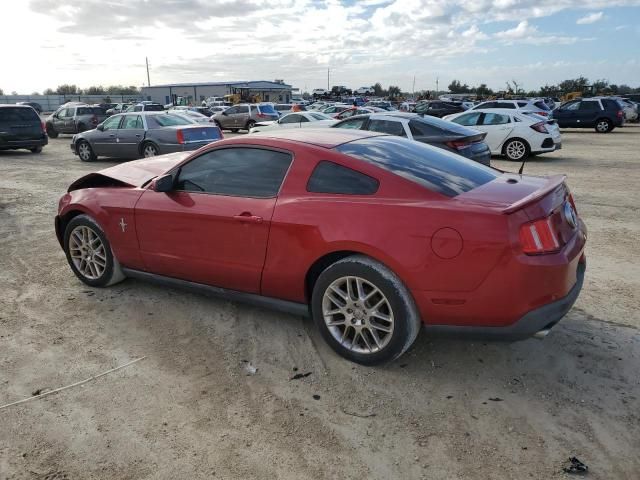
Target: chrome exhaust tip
[(542, 333)]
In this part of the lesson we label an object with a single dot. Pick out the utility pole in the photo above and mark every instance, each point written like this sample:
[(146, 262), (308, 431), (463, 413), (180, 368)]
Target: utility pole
[(148, 78), (327, 79), (437, 89), (414, 87)]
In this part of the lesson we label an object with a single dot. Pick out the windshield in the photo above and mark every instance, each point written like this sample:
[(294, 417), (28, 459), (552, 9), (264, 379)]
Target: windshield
[(433, 168), (168, 120), (321, 116)]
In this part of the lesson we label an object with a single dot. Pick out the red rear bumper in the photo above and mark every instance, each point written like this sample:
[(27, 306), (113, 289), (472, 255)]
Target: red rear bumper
[(507, 300)]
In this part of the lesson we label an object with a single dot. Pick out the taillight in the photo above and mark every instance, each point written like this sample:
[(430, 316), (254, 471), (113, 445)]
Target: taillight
[(620, 113), (262, 115), (43, 126), (220, 132), (458, 144), (539, 127), (543, 113), (538, 237), (94, 120), (180, 136)]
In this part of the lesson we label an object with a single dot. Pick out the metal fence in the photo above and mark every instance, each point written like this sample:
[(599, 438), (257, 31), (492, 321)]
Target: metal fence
[(49, 103)]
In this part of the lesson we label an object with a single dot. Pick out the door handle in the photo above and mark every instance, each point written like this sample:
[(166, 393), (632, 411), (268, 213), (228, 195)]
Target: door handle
[(247, 217), (112, 135), (137, 135)]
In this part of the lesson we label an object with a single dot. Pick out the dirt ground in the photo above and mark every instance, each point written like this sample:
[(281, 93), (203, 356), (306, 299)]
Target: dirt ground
[(448, 409)]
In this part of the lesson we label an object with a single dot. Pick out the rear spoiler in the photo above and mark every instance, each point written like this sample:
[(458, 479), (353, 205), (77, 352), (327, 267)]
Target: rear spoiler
[(551, 184)]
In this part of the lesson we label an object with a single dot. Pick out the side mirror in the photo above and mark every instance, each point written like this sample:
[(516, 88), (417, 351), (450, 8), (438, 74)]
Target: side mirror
[(163, 183), (224, 112), (100, 127)]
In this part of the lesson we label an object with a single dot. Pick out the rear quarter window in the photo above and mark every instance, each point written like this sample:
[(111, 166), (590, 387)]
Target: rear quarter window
[(433, 168), (329, 177)]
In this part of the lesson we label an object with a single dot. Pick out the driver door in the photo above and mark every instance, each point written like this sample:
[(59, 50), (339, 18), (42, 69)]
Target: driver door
[(103, 142), (213, 227)]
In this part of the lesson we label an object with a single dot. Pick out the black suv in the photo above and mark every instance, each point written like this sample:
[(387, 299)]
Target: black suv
[(21, 127), (603, 114)]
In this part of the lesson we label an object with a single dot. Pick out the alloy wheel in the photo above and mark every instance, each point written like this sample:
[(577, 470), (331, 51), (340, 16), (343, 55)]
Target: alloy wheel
[(149, 151), (84, 151), (87, 252), (602, 126), (516, 150), (358, 315)]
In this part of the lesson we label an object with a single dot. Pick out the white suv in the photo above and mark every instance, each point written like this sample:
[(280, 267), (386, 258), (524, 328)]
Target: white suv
[(319, 92), (364, 91), (536, 105)]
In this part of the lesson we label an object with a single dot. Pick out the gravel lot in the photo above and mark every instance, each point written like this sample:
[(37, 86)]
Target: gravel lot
[(447, 410)]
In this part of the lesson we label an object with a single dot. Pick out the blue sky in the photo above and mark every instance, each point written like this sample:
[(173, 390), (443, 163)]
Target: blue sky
[(535, 42)]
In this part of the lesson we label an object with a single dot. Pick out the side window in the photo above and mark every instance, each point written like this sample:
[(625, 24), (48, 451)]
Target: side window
[(524, 104), (495, 119), (329, 177), (586, 106), (112, 122), (66, 113), (468, 119), (232, 110), (387, 126), (138, 108), (294, 118), (572, 106), (505, 105), (243, 109), (132, 122), (239, 172), (303, 119), (354, 123)]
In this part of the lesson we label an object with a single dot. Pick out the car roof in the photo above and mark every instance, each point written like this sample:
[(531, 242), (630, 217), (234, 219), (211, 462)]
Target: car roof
[(3, 105), (320, 137)]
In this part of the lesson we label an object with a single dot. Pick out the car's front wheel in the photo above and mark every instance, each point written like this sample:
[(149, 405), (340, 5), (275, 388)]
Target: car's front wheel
[(52, 131), (250, 125), (364, 311), (36, 149), (85, 152), (89, 253)]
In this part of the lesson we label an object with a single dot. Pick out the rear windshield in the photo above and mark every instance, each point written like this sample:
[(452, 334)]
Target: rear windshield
[(91, 111), (151, 107), (159, 121), (433, 168), (444, 125), (18, 114), (541, 105), (267, 109)]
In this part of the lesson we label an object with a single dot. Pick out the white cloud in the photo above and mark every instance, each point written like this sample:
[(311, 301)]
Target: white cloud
[(529, 34), (590, 18)]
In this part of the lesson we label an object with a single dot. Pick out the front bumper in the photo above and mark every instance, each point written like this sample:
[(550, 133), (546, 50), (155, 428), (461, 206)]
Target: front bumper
[(537, 320)]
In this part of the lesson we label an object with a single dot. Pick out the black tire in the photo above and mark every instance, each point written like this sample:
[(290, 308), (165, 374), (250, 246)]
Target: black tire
[(250, 125), (36, 149), (516, 150), (85, 152), (235, 130), (603, 125), (148, 150), (400, 305), (51, 132), (111, 273), (218, 124)]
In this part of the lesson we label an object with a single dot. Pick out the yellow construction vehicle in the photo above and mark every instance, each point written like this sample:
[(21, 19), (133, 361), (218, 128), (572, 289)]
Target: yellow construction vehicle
[(242, 95)]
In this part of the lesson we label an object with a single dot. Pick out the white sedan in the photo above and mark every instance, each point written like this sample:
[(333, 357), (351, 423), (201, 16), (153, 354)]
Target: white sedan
[(516, 134), (296, 120)]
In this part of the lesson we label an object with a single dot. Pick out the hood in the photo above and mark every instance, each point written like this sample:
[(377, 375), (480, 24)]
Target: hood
[(132, 174)]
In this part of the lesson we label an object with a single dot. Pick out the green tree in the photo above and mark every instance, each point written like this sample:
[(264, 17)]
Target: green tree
[(456, 87), (394, 91), (94, 90), (1, 92), (624, 89), (67, 89), (122, 90), (378, 91), (573, 85)]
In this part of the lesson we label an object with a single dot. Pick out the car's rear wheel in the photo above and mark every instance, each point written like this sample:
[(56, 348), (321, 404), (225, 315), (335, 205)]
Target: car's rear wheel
[(603, 125), (85, 152), (516, 150), (52, 131), (149, 150), (36, 149), (364, 311), (250, 125), (89, 253)]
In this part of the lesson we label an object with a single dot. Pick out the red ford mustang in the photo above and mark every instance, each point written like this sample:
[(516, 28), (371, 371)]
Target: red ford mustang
[(372, 235)]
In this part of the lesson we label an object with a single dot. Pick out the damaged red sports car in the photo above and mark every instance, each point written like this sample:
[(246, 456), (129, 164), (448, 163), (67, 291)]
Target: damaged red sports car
[(372, 235)]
